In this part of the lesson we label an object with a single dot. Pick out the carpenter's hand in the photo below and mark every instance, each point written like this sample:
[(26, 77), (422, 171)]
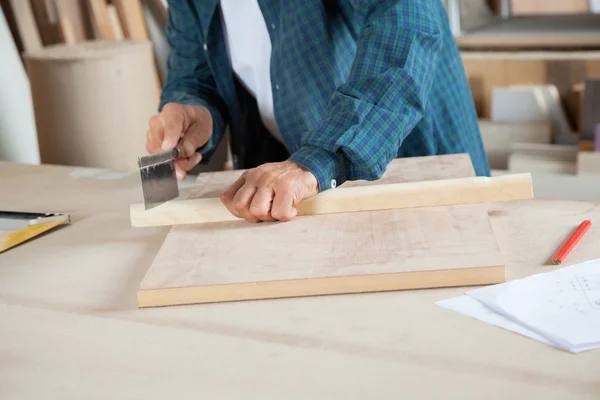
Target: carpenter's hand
[(191, 124), (270, 192)]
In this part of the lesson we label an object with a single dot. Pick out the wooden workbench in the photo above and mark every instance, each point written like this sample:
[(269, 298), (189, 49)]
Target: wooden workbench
[(70, 328)]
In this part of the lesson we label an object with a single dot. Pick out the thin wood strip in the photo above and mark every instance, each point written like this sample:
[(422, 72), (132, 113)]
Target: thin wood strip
[(66, 30), (132, 19), (101, 20), (46, 14), (321, 286), (31, 39), (115, 21), (76, 13), (353, 199)]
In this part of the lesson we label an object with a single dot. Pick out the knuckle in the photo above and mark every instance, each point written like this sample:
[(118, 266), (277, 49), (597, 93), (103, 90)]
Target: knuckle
[(259, 211)]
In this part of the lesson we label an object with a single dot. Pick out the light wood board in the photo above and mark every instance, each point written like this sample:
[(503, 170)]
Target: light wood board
[(328, 254), (444, 192)]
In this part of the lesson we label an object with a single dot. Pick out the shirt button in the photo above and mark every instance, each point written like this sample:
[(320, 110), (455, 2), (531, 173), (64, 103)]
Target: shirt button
[(273, 26), (276, 87), (205, 47), (333, 183)]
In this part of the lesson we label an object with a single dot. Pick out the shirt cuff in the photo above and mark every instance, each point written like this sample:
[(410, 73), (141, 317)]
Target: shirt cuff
[(218, 126), (329, 168)]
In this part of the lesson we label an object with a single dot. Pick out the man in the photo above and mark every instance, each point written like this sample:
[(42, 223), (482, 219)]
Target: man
[(315, 92)]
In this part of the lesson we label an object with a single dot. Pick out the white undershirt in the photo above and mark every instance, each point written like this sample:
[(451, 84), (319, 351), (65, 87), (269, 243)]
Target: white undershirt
[(249, 51)]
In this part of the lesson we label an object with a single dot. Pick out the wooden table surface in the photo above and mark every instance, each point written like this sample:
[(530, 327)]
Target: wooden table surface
[(70, 327)]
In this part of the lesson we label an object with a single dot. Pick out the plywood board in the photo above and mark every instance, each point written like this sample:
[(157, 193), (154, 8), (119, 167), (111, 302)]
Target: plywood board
[(498, 136), (545, 158), (328, 254), (588, 163)]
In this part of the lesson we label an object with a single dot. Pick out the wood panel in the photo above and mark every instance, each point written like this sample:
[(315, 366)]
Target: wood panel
[(328, 254), (588, 163), (498, 136)]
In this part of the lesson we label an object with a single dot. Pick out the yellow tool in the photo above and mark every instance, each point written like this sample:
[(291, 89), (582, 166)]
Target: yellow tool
[(23, 226)]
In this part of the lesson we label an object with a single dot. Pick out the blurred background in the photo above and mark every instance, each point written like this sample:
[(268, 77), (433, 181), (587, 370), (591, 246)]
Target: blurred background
[(79, 80)]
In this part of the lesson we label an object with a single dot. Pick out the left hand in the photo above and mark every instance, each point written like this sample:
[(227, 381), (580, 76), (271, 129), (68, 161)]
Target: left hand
[(270, 192)]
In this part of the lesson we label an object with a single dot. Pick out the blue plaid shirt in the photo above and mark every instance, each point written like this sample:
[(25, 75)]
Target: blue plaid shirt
[(356, 83)]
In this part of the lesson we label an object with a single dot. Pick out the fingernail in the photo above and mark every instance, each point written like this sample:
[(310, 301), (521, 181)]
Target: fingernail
[(179, 175), (165, 145), (189, 149)]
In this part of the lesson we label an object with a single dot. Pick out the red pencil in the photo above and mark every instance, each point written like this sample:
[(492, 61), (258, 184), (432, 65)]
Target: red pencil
[(570, 243)]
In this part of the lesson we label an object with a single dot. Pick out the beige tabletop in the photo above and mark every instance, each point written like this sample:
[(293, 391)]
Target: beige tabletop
[(70, 328)]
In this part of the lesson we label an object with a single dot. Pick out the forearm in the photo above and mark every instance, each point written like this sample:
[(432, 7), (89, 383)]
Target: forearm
[(189, 79), (384, 97)]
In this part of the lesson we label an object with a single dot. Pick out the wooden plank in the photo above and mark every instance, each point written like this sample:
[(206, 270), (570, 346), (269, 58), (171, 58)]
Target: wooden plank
[(66, 30), (544, 158), (46, 14), (132, 19), (549, 7), (26, 25), (76, 12), (588, 163), (101, 20), (134, 27), (329, 254), (115, 22), (498, 137), (587, 145), (352, 199)]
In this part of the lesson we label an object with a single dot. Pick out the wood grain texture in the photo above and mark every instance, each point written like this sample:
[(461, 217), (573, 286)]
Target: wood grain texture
[(352, 199), (328, 254)]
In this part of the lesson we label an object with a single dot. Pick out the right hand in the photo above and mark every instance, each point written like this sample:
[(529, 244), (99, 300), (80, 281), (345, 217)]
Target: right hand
[(192, 125)]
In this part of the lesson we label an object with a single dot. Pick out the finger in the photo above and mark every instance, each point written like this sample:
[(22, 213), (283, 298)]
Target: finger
[(155, 135), (180, 172), (283, 204), (188, 163), (229, 194), (260, 207), (173, 121), (241, 202)]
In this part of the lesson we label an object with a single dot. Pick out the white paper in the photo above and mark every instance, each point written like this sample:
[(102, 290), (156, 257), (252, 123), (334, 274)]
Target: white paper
[(561, 307), (471, 307)]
